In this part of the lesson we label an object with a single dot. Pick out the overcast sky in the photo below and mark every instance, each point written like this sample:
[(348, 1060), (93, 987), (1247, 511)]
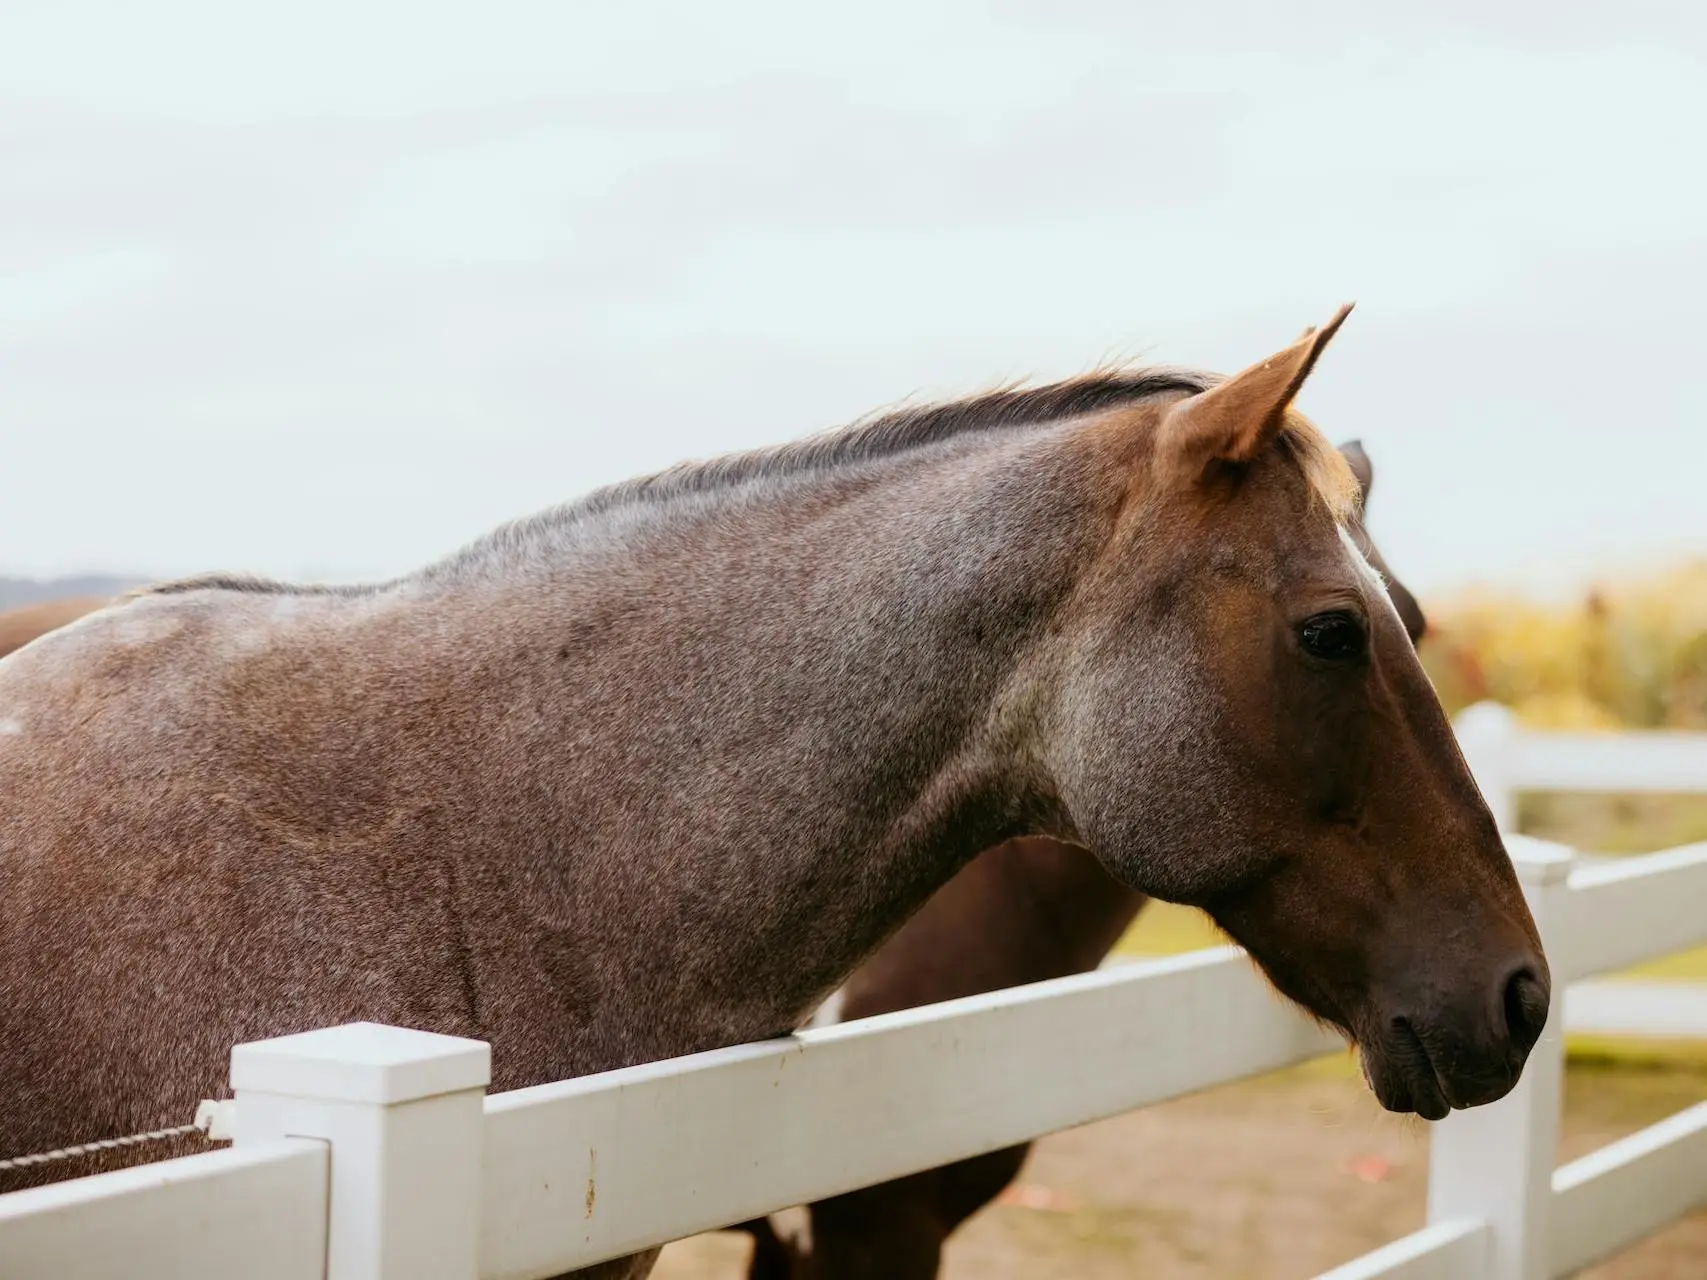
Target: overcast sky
[(327, 289)]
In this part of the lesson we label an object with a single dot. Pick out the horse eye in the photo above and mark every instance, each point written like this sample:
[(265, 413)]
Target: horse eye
[(1333, 637)]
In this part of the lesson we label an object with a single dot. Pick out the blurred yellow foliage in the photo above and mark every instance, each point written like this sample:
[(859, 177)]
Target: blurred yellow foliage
[(1627, 655)]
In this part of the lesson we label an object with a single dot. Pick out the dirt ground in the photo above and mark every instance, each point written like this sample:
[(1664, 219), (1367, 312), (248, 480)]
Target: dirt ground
[(1275, 1179)]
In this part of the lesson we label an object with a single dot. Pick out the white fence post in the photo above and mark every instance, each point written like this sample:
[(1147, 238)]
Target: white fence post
[(1488, 735), (1495, 1163), (403, 1112)]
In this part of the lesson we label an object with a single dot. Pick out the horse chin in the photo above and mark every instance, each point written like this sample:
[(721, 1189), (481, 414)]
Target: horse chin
[(1402, 1076)]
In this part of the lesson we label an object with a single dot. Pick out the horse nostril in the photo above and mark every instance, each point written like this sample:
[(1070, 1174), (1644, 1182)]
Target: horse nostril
[(1525, 1002)]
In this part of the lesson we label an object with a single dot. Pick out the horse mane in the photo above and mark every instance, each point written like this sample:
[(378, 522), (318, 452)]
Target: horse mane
[(874, 438), (897, 431), (253, 584)]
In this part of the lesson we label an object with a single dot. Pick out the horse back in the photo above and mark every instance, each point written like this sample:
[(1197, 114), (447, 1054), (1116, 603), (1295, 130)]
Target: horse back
[(201, 844)]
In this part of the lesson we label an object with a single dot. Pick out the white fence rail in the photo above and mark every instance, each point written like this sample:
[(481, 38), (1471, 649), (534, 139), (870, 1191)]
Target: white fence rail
[(367, 1152), (259, 1213), (1508, 759), (677, 1147)]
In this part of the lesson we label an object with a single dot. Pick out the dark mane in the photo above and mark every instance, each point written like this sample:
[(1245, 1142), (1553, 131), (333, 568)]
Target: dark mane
[(902, 430), (250, 584), (871, 439)]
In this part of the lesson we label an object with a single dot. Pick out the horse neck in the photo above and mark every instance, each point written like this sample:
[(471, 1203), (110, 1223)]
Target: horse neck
[(1026, 911), (778, 732)]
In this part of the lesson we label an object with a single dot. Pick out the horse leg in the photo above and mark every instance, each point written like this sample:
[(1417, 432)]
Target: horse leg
[(772, 1258), (961, 1189), (636, 1266), (893, 1231), (883, 1233)]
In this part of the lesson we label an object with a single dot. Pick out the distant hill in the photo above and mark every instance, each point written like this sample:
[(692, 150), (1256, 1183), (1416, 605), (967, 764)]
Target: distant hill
[(21, 591)]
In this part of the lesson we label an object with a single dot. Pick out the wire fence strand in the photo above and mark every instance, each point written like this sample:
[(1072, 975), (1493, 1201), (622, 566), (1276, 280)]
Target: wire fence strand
[(104, 1144)]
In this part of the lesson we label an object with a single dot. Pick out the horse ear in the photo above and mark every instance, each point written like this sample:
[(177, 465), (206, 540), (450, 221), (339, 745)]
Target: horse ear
[(1361, 467), (1237, 420)]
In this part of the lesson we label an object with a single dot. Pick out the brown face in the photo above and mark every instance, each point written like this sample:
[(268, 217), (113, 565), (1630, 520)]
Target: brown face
[(1287, 766), (1386, 903)]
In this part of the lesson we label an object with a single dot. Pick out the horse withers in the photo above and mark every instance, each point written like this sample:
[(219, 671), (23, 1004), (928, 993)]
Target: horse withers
[(1026, 911), (656, 771)]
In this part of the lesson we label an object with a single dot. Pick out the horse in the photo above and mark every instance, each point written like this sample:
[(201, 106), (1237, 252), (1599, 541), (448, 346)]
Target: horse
[(21, 625), (1026, 911), (654, 772)]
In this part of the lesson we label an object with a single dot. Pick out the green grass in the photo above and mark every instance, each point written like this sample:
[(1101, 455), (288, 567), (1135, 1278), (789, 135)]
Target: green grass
[(1685, 966), (1162, 929), (1614, 823)]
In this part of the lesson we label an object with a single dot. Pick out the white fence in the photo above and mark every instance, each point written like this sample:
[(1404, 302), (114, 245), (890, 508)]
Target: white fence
[(1509, 759), (373, 1153), (366, 1152)]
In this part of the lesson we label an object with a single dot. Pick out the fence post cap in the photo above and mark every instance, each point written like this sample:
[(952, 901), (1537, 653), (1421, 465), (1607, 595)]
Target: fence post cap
[(1540, 862), (364, 1062), (1485, 715)]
